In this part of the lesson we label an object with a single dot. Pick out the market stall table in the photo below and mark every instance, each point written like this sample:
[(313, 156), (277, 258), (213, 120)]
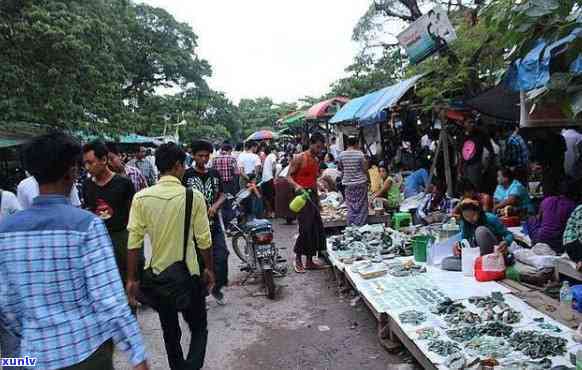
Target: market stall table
[(371, 220), (565, 266), (435, 283)]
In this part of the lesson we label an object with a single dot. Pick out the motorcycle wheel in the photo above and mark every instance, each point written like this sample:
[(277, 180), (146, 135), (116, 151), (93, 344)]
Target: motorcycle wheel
[(239, 247), (269, 283)]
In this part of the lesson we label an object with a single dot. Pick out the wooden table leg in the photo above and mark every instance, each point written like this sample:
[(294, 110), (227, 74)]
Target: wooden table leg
[(387, 339)]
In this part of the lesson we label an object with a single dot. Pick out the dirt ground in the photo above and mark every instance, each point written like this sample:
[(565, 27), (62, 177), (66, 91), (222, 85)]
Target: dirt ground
[(309, 325)]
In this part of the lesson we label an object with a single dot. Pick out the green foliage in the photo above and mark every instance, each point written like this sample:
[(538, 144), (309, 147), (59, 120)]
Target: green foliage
[(222, 116), (479, 57), (56, 64), (94, 64), (367, 74), (522, 25), (464, 69), (257, 114)]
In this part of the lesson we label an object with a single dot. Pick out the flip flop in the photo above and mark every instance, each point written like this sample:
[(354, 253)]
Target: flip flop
[(299, 268)]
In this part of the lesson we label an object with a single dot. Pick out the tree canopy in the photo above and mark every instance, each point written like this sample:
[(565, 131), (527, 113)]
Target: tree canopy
[(116, 67), (491, 35)]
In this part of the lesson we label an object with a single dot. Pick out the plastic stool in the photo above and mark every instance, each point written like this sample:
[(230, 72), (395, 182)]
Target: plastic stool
[(402, 219)]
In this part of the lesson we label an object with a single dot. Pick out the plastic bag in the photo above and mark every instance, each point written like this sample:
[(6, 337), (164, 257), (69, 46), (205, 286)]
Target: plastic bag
[(490, 267), (468, 260)]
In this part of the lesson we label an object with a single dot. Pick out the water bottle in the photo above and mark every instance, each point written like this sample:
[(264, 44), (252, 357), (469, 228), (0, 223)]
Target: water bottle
[(566, 301), (299, 202)]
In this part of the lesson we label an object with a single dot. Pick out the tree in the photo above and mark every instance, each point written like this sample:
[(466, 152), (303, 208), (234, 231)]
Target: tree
[(524, 24), (464, 68), (257, 114), (160, 53), (57, 66), (367, 74), (223, 116), (92, 65)]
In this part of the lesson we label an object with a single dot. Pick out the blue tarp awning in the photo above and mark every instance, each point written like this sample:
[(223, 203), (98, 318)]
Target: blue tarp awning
[(533, 70), (369, 109), (389, 97), (348, 112)]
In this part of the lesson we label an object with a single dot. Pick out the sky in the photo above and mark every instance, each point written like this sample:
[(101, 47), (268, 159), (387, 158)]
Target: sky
[(283, 49)]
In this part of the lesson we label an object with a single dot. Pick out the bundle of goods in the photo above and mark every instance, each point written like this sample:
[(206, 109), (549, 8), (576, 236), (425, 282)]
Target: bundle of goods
[(333, 208), (407, 268), (376, 242), (495, 309), (538, 345)]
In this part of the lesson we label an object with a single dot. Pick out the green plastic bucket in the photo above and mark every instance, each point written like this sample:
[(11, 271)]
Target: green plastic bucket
[(419, 247)]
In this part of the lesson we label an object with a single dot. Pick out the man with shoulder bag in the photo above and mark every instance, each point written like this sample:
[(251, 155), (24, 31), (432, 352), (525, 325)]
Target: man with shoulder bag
[(173, 217)]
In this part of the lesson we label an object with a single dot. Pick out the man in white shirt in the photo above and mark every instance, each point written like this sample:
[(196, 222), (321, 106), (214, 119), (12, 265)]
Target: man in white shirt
[(268, 179), (334, 148), (8, 204), (249, 163), (28, 190)]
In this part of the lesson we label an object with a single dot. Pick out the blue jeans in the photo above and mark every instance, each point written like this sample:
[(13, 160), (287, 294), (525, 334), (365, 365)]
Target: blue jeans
[(9, 345)]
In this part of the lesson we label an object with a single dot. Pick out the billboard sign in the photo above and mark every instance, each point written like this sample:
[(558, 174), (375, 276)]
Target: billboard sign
[(427, 35)]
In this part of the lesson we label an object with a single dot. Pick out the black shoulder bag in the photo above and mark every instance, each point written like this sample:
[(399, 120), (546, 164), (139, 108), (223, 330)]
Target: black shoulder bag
[(173, 286)]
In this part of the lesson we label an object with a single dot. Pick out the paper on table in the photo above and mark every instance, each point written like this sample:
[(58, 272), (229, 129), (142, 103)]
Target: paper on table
[(457, 286)]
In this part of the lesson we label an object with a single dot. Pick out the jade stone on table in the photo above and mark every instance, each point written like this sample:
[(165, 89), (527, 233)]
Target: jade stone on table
[(495, 329), (538, 345), (412, 317), (443, 348)]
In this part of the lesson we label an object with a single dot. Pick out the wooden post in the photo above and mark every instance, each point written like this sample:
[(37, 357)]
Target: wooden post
[(448, 175), (382, 144), (434, 160)]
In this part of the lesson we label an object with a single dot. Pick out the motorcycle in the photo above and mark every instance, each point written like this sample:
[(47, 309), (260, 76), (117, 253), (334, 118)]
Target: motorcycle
[(252, 242)]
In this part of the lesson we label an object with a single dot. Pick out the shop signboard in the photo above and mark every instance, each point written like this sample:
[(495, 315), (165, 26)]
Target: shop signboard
[(427, 35)]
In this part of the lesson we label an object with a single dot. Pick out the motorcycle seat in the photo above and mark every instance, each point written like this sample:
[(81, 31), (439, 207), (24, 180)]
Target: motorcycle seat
[(257, 224)]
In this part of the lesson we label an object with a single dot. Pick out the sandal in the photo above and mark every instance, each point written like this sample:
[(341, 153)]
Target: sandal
[(300, 269)]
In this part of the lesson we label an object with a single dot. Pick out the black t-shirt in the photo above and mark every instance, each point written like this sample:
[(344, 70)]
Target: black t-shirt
[(208, 183), (549, 150), (110, 202)]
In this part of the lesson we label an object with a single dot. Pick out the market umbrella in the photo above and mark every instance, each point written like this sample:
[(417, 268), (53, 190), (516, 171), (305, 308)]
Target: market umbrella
[(262, 135), (326, 108), (292, 120)]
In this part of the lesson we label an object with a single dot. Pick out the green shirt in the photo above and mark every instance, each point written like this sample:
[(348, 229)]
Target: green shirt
[(394, 196), (159, 212), (573, 229)]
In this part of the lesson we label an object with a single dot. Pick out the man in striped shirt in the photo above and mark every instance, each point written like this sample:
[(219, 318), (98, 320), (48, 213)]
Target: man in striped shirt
[(133, 173), (61, 294)]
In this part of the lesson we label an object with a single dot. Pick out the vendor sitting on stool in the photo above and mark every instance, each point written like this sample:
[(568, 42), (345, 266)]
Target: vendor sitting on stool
[(436, 206), (511, 197), (389, 194), (573, 237), (482, 229)]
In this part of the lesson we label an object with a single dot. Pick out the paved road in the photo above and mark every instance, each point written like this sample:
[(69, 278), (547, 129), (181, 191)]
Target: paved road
[(255, 333)]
